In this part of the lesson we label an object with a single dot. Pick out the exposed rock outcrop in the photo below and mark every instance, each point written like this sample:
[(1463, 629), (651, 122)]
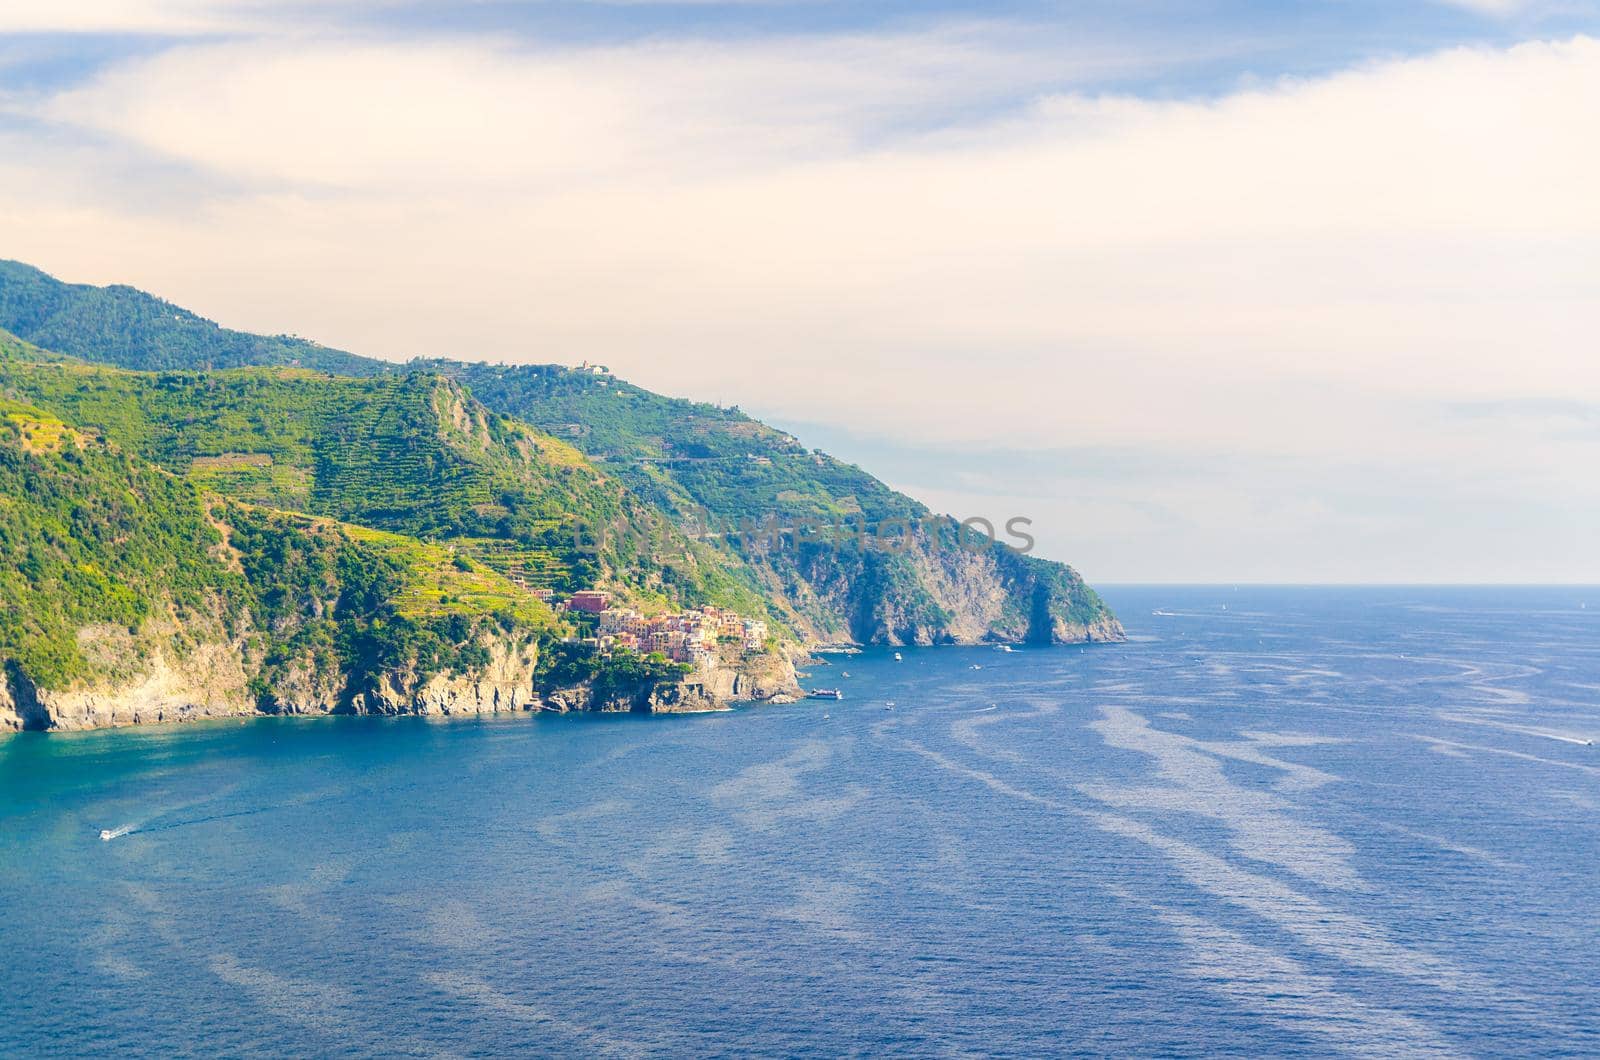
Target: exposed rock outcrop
[(933, 590), (767, 677), (19, 709), (1103, 630), (209, 681), (213, 680), (506, 684)]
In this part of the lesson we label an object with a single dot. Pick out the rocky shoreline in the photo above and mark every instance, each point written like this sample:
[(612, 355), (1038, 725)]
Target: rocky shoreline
[(205, 686), (212, 681)]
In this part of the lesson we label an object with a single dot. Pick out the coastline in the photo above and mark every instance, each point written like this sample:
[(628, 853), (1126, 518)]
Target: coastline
[(211, 683)]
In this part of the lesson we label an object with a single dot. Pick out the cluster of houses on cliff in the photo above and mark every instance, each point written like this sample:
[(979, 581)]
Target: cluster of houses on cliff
[(682, 636)]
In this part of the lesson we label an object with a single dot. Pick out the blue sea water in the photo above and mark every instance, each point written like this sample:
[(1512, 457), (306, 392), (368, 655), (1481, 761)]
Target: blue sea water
[(1277, 822)]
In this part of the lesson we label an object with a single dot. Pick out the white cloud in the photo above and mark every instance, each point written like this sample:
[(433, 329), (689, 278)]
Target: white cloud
[(179, 18), (801, 225), (383, 116), (1500, 8), (122, 16)]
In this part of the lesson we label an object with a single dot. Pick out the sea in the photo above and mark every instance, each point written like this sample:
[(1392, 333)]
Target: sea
[(1275, 822)]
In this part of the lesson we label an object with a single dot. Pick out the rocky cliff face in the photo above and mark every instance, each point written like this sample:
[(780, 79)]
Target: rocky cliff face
[(505, 684), (207, 682), (933, 591), (18, 709), (766, 678), (213, 681)]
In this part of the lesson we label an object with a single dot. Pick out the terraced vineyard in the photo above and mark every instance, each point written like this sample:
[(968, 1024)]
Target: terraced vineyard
[(441, 580), (408, 454), (251, 477), (531, 568)]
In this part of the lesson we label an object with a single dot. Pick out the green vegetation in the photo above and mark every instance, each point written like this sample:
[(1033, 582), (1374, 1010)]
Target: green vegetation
[(684, 455), (113, 558), (101, 542), (558, 478), (91, 538), (366, 603), (716, 466), (412, 454), (620, 675), (125, 326), (15, 349)]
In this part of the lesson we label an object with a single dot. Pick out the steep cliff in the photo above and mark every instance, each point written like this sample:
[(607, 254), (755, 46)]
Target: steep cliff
[(212, 680)]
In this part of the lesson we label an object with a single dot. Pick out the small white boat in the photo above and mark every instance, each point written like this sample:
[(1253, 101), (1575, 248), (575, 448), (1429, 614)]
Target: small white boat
[(1005, 648), (897, 657), (107, 834)]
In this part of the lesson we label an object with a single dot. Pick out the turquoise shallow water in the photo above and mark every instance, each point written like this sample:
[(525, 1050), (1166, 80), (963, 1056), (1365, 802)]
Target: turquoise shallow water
[(1285, 822)]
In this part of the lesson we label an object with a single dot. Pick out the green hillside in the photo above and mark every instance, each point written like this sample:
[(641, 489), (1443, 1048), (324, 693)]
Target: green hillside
[(91, 537), (719, 470), (685, 454), (673, 482), (124, 326), (411, 454), (111, 559), (15, 349)]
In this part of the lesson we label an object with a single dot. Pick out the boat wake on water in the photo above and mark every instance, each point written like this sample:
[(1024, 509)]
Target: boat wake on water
[(109, 834)]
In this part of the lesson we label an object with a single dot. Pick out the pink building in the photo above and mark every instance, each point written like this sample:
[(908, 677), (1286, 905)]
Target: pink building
[(592, 601)]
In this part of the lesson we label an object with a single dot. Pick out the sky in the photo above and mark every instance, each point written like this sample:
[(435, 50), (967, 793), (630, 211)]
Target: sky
[(1215, 292)]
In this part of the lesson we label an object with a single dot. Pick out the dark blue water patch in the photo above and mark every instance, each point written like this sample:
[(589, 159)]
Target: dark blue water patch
[(1278, 821)]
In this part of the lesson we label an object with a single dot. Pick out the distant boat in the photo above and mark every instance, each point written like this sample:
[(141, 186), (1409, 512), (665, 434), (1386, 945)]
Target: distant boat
[(897, 657), (1167, 614), (1005, 648), (106, 833), (977, 666), (825, 693)]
